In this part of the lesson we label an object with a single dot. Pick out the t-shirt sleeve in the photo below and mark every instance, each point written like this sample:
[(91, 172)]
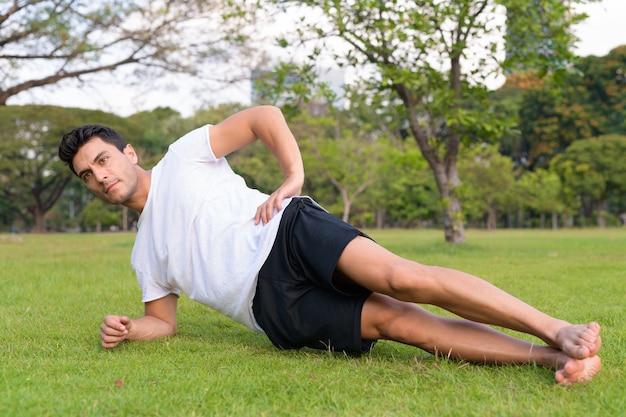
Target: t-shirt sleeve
[(194, 146), (151, 290)]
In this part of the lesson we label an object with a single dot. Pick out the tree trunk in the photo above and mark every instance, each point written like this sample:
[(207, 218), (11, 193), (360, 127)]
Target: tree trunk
[(492, 219), (347, 203), (447, 179), (555, 221), (40, 224), (454, 230), (380, 217), (124, 219), (346, 210), (600, 214)]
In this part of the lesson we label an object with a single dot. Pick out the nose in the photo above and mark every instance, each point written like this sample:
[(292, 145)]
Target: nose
[(100, 174)]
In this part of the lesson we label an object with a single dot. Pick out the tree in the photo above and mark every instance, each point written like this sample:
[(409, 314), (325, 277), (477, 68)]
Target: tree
[(161, 126), (326, 156), (594, 169), (588, 102), (406, 192), (44, 42), (98, 215), (488, 183), (601, 89), (435, 56), (542, 193), (31, 175)]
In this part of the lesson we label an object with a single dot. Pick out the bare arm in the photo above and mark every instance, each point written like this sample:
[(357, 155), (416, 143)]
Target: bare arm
[(268, 124), (158, 321)]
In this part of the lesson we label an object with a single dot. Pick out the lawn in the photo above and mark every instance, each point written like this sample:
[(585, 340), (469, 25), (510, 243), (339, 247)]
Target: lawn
[(56, 289)]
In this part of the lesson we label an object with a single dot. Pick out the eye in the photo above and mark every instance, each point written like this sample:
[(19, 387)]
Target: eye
[(86, 176), (104, 159)]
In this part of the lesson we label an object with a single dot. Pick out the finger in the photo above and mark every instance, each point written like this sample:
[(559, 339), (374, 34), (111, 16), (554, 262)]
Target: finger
[(279, 204), (120, 325), (257, 216), (109, 342), (109, 345), (269, 213), (109, 331), (113, 327), (113, 321)]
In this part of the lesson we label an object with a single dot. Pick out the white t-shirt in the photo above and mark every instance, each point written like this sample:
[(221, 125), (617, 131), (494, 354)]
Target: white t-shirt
[(197, 233)]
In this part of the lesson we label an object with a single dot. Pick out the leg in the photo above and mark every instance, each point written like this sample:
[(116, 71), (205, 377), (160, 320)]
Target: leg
[(368, 264), (386, 318)]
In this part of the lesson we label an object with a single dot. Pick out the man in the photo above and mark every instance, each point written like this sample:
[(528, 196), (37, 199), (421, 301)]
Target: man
[(283, 266)]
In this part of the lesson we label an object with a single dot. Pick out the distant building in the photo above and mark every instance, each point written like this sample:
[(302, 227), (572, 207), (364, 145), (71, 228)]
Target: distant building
[(520, 43), (333, 78)]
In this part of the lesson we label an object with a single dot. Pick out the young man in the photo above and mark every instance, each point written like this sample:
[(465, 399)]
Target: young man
[(283, 266)]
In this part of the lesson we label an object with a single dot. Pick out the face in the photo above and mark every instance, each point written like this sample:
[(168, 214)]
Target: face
[(110, 174)]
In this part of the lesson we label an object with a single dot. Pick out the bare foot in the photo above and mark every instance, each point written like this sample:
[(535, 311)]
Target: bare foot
[(578, 371), (579, 341)]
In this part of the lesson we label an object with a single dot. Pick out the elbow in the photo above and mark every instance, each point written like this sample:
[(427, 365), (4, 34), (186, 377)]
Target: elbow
[(273, 110), (167, 328)]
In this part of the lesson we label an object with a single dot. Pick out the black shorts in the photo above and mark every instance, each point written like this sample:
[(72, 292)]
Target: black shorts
[(296, 302)]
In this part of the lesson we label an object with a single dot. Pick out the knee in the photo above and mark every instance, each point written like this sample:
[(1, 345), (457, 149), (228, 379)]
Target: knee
[(380, 317), (400, 324), (410, 281), (390, 326)]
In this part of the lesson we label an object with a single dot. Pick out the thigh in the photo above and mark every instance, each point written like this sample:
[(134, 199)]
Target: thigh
[(367, 264)]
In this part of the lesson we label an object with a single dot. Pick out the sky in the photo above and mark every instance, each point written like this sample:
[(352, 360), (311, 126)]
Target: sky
[(603, 29), (601, 32)]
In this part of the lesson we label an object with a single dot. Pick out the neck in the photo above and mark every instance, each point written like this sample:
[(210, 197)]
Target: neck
[(138, 201)]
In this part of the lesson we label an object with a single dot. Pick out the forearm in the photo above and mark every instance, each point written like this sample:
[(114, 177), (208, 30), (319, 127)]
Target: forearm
[(269, 125), (149, 328)]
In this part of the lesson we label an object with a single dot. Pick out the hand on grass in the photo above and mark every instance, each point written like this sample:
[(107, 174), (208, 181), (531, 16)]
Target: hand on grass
[(114, 330)]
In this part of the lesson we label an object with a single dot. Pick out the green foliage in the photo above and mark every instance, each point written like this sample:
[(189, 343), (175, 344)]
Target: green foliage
[(541, 192), (435, 57), (47, 42), (594, 168), (31, 174), (160, 127), (488, 184), (602, 91), (99, 216), (407, 191), (506, 103), (335, 152), (587, 103), (58, 287), (539, 35)]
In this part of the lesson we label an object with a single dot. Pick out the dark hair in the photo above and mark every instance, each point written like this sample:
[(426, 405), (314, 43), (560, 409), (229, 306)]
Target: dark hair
[(77, 137)]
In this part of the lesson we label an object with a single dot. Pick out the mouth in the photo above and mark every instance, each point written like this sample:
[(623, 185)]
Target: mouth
[(109, 186)]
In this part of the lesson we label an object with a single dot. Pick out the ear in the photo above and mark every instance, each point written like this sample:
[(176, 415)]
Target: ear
[(129, 151)]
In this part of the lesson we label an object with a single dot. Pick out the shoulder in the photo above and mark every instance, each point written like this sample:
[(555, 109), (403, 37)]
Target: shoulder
[(194, 145)]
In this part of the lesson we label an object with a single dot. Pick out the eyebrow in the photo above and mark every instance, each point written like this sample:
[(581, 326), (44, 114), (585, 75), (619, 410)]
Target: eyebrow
[(80, 174)]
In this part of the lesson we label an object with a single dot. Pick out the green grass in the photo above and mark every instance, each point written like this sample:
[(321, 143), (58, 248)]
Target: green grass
[(56, 288)]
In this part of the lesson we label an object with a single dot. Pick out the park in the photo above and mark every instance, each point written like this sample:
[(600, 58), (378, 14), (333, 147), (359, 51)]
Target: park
[(522, 184), (57, 288)]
